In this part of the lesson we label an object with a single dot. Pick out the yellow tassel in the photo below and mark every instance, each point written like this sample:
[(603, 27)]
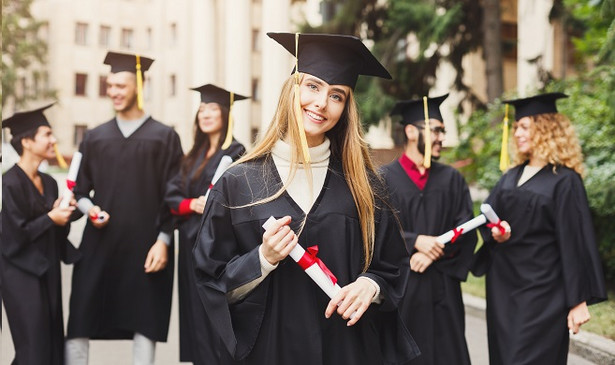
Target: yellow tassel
[(61, 161), (504, 159), (297, 107), (427, 157), (139, 84), (229, 132)]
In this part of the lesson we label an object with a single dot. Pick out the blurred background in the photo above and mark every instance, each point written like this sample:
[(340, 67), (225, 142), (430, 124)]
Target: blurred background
[(479, 51)]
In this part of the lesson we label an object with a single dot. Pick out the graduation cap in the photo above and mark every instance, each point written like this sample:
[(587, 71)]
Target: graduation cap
[(134, 63), (413, 111), (534, 105), (421, 110), (22, 122), (214, 94), (337, 59)]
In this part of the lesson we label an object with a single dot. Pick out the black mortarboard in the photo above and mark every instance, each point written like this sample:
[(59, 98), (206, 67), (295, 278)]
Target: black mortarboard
[(337, 59), (126, 62), (214, 94), (413, 111), (534, 105), (22, 122)]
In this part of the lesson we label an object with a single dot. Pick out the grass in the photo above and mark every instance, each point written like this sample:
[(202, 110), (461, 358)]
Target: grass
[(603, 314)]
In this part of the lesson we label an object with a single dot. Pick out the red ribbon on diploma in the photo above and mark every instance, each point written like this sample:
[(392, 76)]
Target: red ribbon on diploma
[(456, 234), (499, 225), (70, 184), (309, 258)]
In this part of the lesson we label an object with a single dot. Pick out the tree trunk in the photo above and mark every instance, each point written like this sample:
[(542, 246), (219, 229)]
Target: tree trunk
[(492, 48)]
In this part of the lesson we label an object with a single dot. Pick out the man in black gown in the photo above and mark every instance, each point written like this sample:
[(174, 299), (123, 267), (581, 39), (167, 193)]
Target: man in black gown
[(122, 287), (431, 201)]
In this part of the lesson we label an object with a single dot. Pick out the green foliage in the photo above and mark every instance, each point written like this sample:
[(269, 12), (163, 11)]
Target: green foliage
[(433, 22), (21, 47)]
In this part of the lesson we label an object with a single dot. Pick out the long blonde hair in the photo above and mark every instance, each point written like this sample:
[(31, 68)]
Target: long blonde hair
[(555, 141), (347, 142)]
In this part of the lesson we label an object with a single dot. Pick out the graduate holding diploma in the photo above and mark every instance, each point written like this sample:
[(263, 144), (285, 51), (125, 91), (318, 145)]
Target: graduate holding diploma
[(186, 196), (312, 171), (34, 240), (544, 271), (432, 198)]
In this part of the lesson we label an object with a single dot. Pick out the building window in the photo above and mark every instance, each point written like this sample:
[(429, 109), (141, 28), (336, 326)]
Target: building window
[(81, 81), (173, 35), (104, 36), (148, 38), (102, 86), (173, 85), (126, 40), (256, 40), (78, 133), (81, 34), (256, 92)]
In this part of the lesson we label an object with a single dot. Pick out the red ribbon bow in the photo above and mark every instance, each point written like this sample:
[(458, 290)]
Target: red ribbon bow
[(456, 234), (499, 225), (309, 258), (70, 184)]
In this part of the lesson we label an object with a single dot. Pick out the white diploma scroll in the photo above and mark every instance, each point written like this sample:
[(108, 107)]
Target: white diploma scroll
[(464, 228), (314, 271), (71, 179), (488, 215), (225, 162)]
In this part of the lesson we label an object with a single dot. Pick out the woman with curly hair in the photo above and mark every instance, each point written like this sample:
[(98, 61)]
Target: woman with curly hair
[(312, 172), (541, 262)]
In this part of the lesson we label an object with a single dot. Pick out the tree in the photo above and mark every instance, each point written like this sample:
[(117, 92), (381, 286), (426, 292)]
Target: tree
[(22, 49), (492, 48)]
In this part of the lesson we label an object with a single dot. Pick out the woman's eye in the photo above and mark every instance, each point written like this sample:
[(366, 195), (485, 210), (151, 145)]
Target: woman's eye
[(312, 86), (337, 97)]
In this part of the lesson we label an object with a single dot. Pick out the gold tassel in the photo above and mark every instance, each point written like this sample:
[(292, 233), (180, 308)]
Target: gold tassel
[(139, 84), (61, 161), (229, 132), (427, 157), (504, 159), (297, 107)]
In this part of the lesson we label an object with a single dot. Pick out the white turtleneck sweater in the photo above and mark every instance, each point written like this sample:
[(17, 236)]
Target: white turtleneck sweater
[(297, 189)]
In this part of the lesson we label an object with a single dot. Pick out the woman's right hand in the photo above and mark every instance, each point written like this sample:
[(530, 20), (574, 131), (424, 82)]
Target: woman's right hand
[(497, 234), (429, 246), (60, 216), (278, 241)]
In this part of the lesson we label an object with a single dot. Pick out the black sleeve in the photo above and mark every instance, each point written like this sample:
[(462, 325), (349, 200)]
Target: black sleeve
[(170, 169)]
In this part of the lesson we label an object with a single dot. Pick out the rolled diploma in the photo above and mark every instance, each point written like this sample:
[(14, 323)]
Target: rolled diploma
[(71, 178), (314, 271), (489, 213), (225, 162), (467, 226)]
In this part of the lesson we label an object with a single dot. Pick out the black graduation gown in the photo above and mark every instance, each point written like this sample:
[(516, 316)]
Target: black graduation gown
[(549, 265), (282, 320), (432, 307), (32, 247), (195, 331), (112, 297)]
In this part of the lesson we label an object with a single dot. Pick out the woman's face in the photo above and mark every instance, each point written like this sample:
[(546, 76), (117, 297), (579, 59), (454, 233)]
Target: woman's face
[(322, 106), (210, 118), (523, 135), (42, 144)]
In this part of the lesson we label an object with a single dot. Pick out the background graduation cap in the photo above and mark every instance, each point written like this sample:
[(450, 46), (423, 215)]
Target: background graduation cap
[(413, 111), (134, 63), (526, 107), (22, 122), (25, 121), (418, 111), (336, 59), (213, 94), (534, 105)]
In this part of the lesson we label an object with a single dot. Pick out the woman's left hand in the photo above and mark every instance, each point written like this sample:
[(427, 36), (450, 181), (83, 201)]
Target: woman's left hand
[(577, 316), (353, 300)]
